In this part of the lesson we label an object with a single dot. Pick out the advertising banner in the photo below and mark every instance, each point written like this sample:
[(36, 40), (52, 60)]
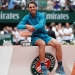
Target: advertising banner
[(15, 16), (6, 39)]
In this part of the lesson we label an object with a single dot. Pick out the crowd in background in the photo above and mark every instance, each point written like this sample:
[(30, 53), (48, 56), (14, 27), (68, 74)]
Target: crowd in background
[(55, 5), (63, 33), (17, 38)]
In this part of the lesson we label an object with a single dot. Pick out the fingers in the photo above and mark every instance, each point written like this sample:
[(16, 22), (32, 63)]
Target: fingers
[(30, 28)]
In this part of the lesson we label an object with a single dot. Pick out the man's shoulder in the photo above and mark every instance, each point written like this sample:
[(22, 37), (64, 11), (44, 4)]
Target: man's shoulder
[(26, 16), (40, 13)]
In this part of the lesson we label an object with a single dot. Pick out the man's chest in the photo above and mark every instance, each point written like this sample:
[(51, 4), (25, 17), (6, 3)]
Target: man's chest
[(33, 21)]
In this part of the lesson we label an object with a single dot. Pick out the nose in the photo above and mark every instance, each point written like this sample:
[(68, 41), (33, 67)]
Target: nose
[(32, 7)]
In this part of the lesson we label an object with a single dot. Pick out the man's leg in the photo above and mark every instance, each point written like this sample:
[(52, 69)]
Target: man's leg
[(58, 48), (42, 45)]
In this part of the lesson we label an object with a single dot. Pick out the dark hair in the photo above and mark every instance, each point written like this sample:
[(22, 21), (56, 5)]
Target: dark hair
[(32, 2), (50, 27)]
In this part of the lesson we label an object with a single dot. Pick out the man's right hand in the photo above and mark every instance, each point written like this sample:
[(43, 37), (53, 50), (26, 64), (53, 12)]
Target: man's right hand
[(30, 28)]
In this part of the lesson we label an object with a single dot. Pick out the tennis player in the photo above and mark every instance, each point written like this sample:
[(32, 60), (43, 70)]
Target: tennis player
[(35, 22)]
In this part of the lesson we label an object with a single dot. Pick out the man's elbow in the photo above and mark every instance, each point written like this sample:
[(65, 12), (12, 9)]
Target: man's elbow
[(18, 26)]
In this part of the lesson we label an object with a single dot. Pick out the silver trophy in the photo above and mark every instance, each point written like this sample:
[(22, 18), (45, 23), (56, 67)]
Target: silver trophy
[(25, 43)]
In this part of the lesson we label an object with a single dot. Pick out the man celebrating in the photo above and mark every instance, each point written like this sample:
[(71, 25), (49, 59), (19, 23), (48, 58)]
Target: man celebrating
[(35, 23)]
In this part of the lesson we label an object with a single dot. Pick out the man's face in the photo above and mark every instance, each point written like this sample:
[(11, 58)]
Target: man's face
[(56, 28), (32, 8), (67, 25)]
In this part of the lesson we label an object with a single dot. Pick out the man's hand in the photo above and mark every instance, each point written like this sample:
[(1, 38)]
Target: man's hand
[(67, 34), (30, 28)]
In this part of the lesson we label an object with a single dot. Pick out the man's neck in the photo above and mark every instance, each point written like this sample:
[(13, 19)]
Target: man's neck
[(33, 15)]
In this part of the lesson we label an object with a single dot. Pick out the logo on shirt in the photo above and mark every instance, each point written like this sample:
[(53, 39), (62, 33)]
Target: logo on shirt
[(49, 63)]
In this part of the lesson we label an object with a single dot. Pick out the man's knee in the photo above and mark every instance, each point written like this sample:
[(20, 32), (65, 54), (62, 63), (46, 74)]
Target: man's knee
[(42, 44)]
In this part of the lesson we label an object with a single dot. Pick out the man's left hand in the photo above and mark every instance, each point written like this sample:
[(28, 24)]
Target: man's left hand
[(30, 28)]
